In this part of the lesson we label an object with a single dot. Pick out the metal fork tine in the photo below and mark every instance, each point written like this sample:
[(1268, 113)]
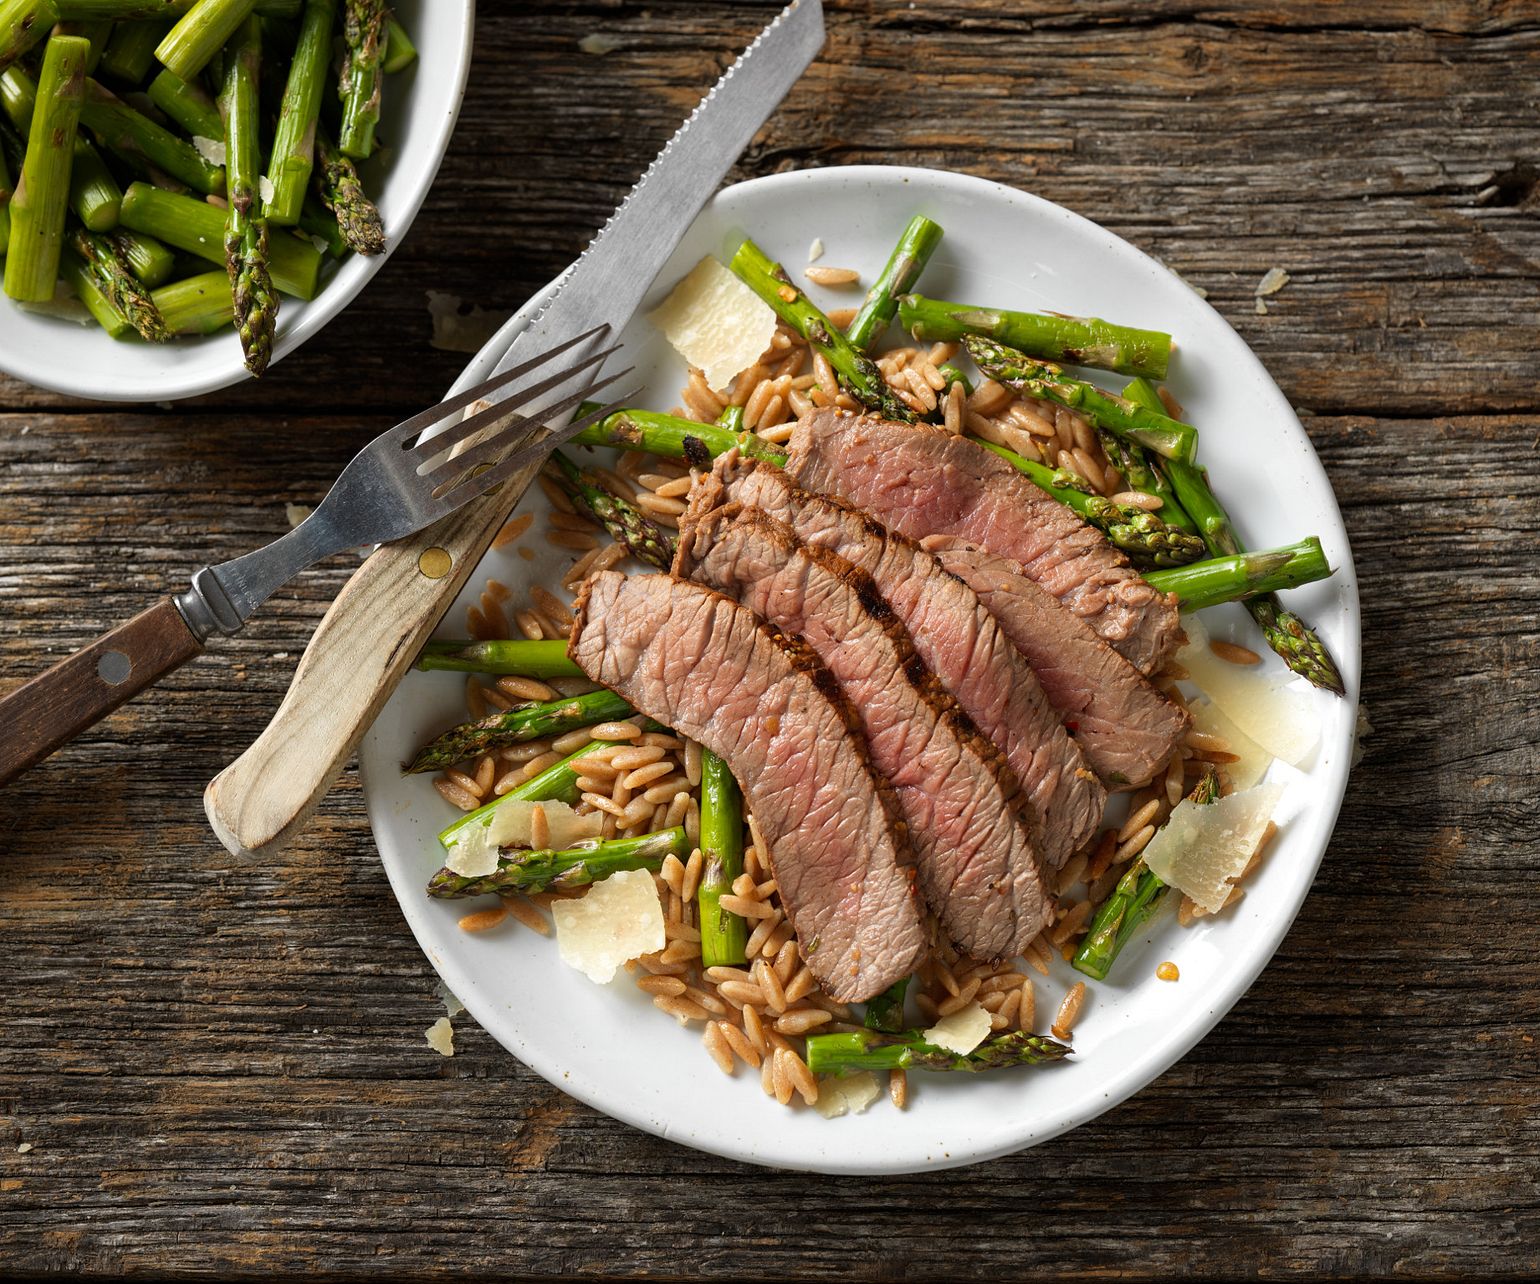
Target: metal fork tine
[(434, 414), (499, 473), (505, 409), (500, 444)]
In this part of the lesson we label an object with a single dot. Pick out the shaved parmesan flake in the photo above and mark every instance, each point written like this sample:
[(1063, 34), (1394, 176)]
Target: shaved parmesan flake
[(296, 513), (848, 1096), (25, 1148), (473, 848), (211, 149), (452, 1005), (815, 250), (599, 44), (715, 322), (1203, 846), (441, 1037), (265, 189), (962, 1031), (1274, 281), (459, 326), (620, 919), (1252, 760), (1277, 717)]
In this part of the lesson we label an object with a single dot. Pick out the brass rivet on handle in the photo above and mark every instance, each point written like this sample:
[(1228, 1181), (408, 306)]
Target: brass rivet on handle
[(435, 563)]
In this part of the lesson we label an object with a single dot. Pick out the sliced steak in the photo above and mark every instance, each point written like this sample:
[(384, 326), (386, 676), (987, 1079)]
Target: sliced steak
[(926, 481), (1125, 727), (979, 870), (710, 669), (956, 637)]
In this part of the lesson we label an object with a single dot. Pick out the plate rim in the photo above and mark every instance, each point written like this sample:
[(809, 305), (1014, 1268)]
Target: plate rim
[(1164, 1053)]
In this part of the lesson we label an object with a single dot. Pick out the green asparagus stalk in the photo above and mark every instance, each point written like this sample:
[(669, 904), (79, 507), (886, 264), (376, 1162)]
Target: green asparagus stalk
[(626, 523), (362, 23), (94, 31), (1134, 462), (201, 33), (1076, 341), (731, 418), (399, 51), (42, 193), (23, 24), (251, 279), (315, 220), (952, 375), (723, 934), (95, 196), (199, 228), (673, 438), (147, 258), (293, 155), (1157, 432), (1131, 904), (5, 202), (539, 659), (1232, 579), (134, 11), (130, 51), (1295, 641), (187, 104), (515, 726), (560, 871), (145, 146), (196, 304), (116, 280), (1143, 535), (903, 269), (337, 182), (908, 1050), (886, 1012), (858, 373), (76, 275)]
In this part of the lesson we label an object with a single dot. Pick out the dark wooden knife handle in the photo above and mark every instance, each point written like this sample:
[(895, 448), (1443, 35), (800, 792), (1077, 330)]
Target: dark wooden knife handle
[(56, 706)]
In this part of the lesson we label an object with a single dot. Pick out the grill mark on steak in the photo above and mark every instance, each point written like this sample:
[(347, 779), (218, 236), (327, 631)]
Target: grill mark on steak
[(707, 667), (979, 870), (922, 480)]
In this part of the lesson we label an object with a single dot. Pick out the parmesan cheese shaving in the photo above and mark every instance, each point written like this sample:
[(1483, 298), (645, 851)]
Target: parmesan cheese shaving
[(1275, 279), (1202, 847), (441, 1037), (1276, 717), (848, 1096), (211, 149), (715, 322), (620, 919), (815, 250), (458, 326), (1252, 761), (962, 1031), (265, 189), (473, 850)]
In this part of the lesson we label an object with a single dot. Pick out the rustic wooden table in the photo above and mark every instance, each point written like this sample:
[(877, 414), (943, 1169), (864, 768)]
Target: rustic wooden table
[(207, 1070)]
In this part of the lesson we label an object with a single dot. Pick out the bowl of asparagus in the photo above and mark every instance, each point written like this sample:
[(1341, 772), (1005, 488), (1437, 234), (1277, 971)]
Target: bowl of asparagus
[(190, 189)]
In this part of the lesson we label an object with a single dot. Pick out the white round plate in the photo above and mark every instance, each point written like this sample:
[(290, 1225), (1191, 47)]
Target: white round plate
[(419, 110), (607, 1045)]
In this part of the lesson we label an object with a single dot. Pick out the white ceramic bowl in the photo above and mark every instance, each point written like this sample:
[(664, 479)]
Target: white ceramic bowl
[(606, 1044), (420, 106)]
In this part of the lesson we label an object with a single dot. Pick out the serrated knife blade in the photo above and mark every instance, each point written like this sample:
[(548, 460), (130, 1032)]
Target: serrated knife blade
[(379, 622)]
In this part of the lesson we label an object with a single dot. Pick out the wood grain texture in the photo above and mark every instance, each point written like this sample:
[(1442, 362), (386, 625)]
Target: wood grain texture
[(222, 1071)]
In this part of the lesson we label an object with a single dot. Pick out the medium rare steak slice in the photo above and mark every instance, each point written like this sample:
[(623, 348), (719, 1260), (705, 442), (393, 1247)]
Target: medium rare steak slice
[(978, 868), (707, 667), (925, 481), (1125, 727), (956, 637)]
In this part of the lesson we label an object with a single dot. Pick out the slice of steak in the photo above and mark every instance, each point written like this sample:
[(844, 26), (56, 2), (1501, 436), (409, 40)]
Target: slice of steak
[(925, 481), (1125, 727), (707, 667), (979, 870), (953, 633)]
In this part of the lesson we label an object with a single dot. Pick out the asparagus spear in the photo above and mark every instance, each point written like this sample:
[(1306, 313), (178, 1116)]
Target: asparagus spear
[(23, 24), (886, 1012), (1134, 462), (515, 726), (147, 258), (95, 195), (116, 280), (197, 304), (903, 269), (858, 373), (94, 31), (1076, 341), (74, 272), (187, 104), (1158, 432), (1143, 535), (908, 1050), (255, 300), (731, 418), (42, 192), (130, 50), (399, 52), (337, 182), (145, 146), (200, 33), (5, 201), (199, 228), (539, 659), (315, 220), (673, 438), (1131, 904), (558, 871), (626, 523), (293, 155), (952, 375), (723, 934), (1294, 640), (362, 23), (1231, 579)]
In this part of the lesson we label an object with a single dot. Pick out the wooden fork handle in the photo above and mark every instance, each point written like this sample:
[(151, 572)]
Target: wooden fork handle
[(57, 705)]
